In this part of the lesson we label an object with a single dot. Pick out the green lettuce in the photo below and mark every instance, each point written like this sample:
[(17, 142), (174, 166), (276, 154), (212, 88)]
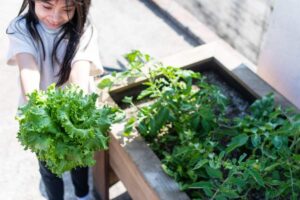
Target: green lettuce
[(64, 128)]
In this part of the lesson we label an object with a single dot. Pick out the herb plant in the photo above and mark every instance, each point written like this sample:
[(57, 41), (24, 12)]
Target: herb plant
[(211, 155), (64, 127)]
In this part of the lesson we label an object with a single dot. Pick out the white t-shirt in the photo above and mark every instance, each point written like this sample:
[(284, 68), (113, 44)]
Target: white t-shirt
[(20, 41)]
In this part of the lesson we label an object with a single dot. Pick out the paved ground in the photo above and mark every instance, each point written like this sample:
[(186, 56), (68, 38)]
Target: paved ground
[(123, 25)]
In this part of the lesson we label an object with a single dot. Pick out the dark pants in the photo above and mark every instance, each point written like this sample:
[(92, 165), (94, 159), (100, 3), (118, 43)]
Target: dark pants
[(55, 187)]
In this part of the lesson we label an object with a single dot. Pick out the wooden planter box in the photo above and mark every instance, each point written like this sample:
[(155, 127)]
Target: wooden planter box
[(133, 162)]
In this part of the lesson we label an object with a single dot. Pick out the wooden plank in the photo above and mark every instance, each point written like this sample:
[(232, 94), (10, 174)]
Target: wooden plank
[(128, 173), (101, 174), (193, 56), (140, 171)]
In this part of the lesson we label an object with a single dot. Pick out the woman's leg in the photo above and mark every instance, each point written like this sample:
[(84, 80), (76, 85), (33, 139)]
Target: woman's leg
[(54, 185), (80, 181)]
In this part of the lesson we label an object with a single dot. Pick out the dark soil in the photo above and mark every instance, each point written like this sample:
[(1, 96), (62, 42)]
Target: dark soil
[(238, 105)]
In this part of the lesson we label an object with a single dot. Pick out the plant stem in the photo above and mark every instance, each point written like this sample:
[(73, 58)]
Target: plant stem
[(294, 143), (218, 190), (292, 181)]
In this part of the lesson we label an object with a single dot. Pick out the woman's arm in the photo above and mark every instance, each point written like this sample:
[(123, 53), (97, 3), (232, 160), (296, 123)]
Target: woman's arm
[(80, 74), (29, 73)]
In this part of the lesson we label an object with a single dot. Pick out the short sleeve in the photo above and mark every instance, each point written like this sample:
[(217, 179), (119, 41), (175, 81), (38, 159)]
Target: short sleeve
[(88, 49), (20, 40)]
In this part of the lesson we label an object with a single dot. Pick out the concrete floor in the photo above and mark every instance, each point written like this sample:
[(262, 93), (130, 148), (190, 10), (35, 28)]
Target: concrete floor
[(122, 25)]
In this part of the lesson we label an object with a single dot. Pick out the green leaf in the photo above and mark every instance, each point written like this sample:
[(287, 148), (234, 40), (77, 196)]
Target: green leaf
[(220, 197), (277, 142), (256, 176), (200, 164), (195, 121), (272, 167), (214, 173), (272, 194), (192, 175), (143, 130), (255, 140), (263, 106), (168, 171), (269, 154), (43, 143), (105, 83), (144, 94), (296, 157), (242, 157), (129, 126), (127, 99), (236, 142), (229, 193), (208, 192), (160, 118), (201, 185), (239, 182)]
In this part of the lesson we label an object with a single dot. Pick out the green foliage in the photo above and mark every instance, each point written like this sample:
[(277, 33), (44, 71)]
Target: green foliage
[(211, 156), (136, 61), (64, 128)]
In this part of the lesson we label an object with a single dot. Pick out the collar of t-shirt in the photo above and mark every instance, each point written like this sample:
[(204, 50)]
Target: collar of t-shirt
[(48, 30)]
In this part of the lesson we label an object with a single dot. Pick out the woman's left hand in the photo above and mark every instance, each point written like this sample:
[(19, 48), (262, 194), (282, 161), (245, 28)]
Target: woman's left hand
[(80, 73)]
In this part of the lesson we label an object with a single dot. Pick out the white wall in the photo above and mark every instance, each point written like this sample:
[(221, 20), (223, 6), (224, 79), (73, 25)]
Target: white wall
[(241, 23), (279, 61)]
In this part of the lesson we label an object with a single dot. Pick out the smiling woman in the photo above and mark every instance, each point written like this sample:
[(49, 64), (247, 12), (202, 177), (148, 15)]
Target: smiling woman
[(54, 15), (70, 15), (53, 41)]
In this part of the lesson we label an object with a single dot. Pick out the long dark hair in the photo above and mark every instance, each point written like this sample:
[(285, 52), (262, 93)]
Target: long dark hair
[(72, 30)]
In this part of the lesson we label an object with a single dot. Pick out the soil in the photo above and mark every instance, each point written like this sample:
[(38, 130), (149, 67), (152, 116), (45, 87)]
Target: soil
[(238, 105)]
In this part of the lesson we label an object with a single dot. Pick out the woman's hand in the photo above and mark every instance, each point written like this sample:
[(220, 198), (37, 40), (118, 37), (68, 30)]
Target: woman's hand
[(80, 74)]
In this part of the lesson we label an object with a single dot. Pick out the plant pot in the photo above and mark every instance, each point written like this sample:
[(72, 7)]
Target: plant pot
[(134, 162)]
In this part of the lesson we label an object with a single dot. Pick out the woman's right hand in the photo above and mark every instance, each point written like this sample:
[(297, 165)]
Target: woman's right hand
[(29, 73)]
